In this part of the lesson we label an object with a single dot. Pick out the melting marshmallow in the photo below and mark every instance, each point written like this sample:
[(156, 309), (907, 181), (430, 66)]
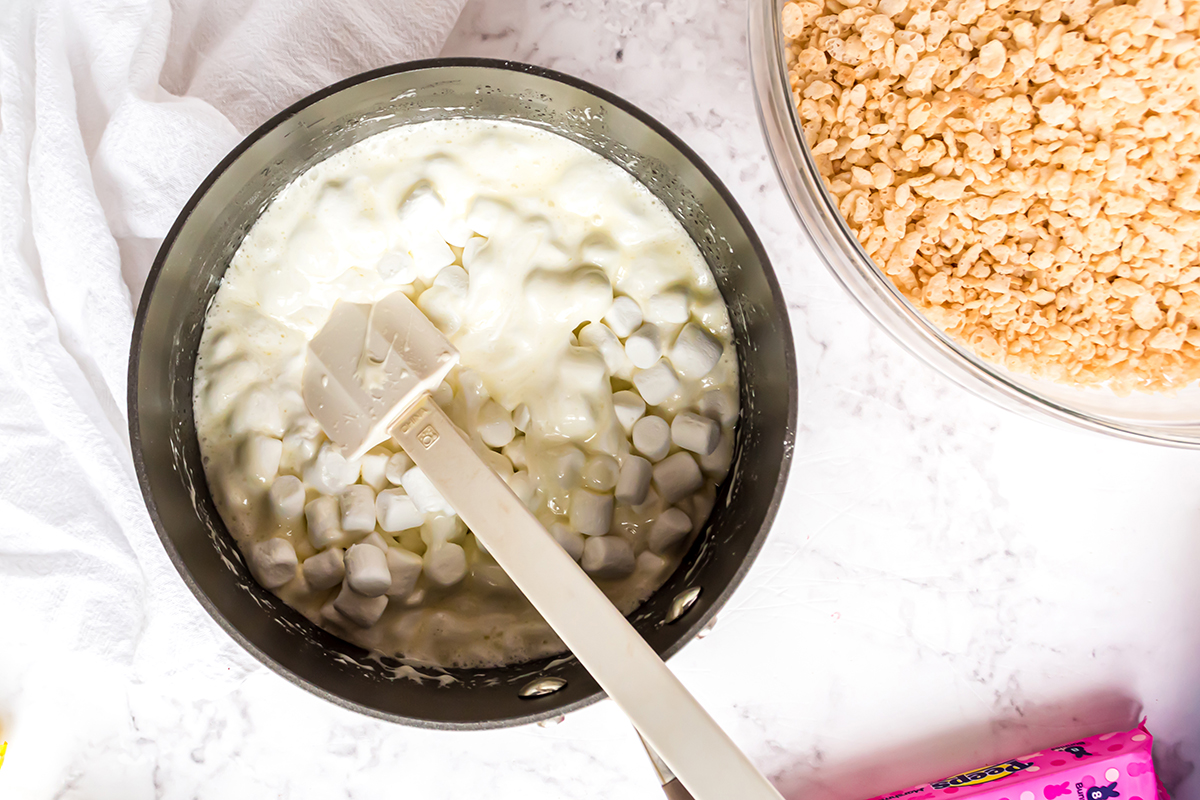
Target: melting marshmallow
[(696, 433), (634, 482), (624, 316), (644, 346), (326, 569), (396, 511), (367, 570), (273, 562), (652, 437), (669, 529), (607, 557), (287, 497), (676, 477), (658, 383), (358, 508)]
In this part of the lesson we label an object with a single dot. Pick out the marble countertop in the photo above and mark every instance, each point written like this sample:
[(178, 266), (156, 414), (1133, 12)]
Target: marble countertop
[(946, 584)]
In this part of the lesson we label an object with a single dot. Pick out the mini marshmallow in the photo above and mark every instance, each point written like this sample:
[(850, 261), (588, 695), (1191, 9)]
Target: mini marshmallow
[(676, 477), (375, 540), (606, 343), (455, 231), (287, 497), (423, 493), (696, 433), (297, 452), (396, 511), (358, 509), (257, 412), (629, 408), (624, 316), (668, 530), (261, 455), (652, 567), (473, 247), (331, 472), (453, 278), (300, 445), (600, 472), (326, 569), (440, 529), (397, 267), (405, 568), (443, 306), (634, 481), (650, 505), (719, 404), (273, 562), (374, 468), (716, 464), (652, 437), (695, 352), (397, 465), (324, 520), (644, 346), (571, 541), (521, 418), (515, 452), (670, 307), (495, 425), (607, 557), (445, 565), (429, 253), (610, 440), (471, 390), (367, 570), (658, 383), (591, 512), (362, 611)]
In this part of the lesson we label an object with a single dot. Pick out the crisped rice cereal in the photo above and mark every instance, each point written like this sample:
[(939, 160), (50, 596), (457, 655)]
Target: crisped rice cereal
[(1025, 172)]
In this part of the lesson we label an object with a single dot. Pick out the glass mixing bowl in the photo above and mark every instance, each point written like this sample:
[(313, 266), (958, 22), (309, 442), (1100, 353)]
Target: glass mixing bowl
[(1160, 418)]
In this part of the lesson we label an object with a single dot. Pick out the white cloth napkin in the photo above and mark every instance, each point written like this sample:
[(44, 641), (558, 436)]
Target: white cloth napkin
[(111, 113)]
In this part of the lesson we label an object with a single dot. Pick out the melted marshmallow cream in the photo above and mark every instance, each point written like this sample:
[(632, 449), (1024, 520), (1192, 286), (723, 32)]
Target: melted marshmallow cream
[(597, 376)]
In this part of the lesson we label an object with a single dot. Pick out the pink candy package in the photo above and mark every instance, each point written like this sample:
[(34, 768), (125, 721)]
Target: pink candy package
[(1112, 766)]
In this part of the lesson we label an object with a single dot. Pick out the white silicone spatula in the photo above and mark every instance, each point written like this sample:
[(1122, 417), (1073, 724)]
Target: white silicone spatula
[(368, 376)]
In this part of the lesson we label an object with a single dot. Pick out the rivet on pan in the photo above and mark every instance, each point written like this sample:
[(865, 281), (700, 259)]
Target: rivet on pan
[(550, 723), (542, 687), (682, 603), (707, 629)]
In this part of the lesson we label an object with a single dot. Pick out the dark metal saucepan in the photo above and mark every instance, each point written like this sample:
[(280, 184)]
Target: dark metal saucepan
[(188, 270)]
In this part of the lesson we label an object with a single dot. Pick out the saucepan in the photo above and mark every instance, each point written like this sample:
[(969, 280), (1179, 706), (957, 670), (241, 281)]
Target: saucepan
[(189, 268)]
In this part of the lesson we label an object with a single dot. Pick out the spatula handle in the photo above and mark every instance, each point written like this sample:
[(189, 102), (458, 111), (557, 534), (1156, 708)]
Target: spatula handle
[(691, 743)]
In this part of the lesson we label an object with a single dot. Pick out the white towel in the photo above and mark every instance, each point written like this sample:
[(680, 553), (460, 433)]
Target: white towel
[(111, 113)]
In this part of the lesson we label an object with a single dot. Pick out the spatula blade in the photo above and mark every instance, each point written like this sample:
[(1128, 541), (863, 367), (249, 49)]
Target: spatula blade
[(368, 364)]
